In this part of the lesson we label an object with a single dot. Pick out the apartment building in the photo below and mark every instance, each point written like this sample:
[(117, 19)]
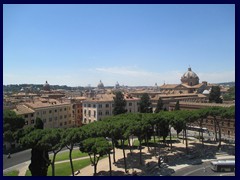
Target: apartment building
[(53, 113), (101, 106)]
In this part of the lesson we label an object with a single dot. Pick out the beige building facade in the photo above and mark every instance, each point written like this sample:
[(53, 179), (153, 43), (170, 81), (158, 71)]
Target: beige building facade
[(99, 107), (53, 113)]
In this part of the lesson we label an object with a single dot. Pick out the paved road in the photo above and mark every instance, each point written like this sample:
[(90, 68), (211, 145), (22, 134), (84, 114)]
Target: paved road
[(200, 170), (16, 158), (20, 157)]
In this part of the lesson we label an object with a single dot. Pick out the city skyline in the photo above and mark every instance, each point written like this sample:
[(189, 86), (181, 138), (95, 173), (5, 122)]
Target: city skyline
[(77, 45)]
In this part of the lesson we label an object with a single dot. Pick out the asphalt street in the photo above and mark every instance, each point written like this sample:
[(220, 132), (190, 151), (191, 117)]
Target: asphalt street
[(203, 169), (20, 157)]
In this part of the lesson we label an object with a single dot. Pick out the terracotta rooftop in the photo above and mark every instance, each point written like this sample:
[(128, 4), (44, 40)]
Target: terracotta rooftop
[(22, 109), (41, 103), (170, 86)]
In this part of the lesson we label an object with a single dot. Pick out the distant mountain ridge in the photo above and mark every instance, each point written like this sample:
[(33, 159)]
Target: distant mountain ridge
[(227, 83)]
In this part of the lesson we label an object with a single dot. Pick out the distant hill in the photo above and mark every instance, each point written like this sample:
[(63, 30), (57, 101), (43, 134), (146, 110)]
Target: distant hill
[(230, 84)]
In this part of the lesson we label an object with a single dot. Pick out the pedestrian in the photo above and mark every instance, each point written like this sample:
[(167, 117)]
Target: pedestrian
[(9, 156)]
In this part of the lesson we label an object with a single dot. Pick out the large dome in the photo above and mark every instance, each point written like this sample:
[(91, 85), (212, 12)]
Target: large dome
[(190, 74), (190, 78), (46, 87), (100, 85)]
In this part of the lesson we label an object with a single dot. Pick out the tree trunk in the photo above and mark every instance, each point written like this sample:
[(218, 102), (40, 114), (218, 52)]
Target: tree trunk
[(186, 141), (183, 136), (53, 164), (39, 162), (110, 164), (140, 148), (114, 159), (154, 143), (129, 144), (70, 157), (124, 156), (215, 129), (95, 165), (171, 138)]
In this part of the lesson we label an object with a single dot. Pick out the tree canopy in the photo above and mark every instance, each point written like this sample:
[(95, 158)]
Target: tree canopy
[(214, 95), (119, 103), (145, 104)]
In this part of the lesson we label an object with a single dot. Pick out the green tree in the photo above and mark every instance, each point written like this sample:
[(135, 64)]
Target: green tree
[(39, 155), (145, 104), (230, 95), (96, 148), (214, 95), (70, 137), (159, 105), (11, 121), (39, 123), (177, 106), (119, 103), (52, 141)]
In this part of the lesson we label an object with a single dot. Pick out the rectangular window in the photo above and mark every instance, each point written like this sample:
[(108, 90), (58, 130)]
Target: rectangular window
[(55, 110), (85, 105), (60, 110), (100, 113), (107, 105), (107, 113), (50, 111), (60, 117), (100, 105), (65, 123), (89, 113), (89, 105), (85, 111), (60, 124), (65, 116), (26, 115), (32, 121), (94, 113), (31, 115), (65, 109), (130, 104), (94, 106), (50, 119)]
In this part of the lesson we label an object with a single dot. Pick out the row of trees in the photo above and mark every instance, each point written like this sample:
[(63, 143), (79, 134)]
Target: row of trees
[(92, 138)]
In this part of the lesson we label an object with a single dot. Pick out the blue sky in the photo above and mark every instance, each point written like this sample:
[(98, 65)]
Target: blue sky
[(77, 45)]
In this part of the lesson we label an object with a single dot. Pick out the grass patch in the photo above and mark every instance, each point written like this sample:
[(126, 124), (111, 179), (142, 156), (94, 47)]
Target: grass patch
[(65, 155), (64, 169), (11, 173), (28, 173)]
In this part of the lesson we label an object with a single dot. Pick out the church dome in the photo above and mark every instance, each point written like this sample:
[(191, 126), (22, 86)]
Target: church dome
[(190, 78), (100, 85), (46, 87), (190, 74)]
